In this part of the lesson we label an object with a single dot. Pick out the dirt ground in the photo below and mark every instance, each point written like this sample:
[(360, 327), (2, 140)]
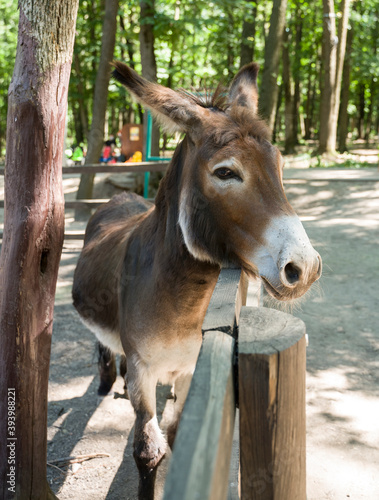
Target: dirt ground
[(342, 320)]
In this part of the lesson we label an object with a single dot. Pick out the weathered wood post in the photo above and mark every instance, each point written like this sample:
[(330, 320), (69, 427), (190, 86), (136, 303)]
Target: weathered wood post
[(33, 237), (271, 366)]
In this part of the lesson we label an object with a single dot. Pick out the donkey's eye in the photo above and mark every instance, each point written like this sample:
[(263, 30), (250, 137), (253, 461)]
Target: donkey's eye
[(226, 173)]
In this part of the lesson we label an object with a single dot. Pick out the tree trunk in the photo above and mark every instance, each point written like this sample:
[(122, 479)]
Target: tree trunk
[(82, 105), (79, 134), (329, 60), (368, 121), (373, 85), (290, 140), (343, 119), (248, 34), (100, 101), (296, 73), (309, 106), (278, 121), (273, 45), (361, 109), (341, 49), (33, 238), (130, 48), (127, 41), (149, 65), (333, 56), (2, 137)]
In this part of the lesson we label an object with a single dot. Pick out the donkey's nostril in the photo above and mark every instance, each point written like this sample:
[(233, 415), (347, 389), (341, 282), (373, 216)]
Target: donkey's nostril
[(292, 273)]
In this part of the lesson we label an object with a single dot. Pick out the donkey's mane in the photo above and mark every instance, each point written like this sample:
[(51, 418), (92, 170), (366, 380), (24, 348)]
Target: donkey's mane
[(240, 121), (205, 98)]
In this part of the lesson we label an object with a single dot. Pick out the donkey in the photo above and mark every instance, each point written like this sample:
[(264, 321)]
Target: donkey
[(146, 272)]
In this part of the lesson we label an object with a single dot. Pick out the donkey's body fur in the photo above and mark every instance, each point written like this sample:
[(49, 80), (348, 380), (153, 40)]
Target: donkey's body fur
[(146, 273)]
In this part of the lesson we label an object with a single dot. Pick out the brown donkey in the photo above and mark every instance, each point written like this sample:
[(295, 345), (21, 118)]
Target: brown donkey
[(146, 273)]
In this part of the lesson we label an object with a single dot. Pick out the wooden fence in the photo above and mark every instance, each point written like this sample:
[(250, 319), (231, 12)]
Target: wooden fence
[(252, 358), (98, 168)]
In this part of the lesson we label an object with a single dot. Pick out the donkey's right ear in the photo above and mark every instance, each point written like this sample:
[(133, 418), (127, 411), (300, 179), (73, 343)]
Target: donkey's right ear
[(174, 112), (244, 89)]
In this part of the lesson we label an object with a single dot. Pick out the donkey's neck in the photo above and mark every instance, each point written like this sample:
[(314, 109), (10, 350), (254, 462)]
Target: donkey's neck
[(168, 235), (169, 277)]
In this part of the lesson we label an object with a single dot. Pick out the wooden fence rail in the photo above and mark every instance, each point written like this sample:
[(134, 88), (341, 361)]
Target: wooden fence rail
[(100, 168), (199, 467), (114, 168), (254, 358)]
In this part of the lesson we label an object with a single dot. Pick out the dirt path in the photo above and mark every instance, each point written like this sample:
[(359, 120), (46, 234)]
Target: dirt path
[(342, 219), (342, 318)]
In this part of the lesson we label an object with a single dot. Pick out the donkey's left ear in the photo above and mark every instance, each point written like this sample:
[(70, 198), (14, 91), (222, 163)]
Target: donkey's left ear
[(173, 111), (244, 89)]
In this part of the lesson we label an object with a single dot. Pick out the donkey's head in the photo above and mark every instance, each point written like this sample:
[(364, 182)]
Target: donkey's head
[(232, 208)]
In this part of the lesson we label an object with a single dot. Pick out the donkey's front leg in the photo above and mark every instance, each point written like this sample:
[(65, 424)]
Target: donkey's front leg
[(149, 443)]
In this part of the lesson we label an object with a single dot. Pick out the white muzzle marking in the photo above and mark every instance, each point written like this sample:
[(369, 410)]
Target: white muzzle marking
[(287, 257)]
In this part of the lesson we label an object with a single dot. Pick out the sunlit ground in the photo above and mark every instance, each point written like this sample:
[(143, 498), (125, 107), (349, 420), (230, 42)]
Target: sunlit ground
[(342, 319)]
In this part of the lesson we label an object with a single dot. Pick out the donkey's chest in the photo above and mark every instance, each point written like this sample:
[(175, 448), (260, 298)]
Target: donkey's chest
[(171, 354)]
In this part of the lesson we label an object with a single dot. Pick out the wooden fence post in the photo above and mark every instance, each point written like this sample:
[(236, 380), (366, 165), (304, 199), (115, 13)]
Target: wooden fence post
[(33, 238), (271, 366)]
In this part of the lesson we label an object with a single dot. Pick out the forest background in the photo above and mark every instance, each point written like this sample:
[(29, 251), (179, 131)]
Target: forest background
[(319, 63)]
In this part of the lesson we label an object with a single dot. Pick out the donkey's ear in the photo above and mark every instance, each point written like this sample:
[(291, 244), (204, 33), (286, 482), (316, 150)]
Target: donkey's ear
[(174, 112), (244, 89)]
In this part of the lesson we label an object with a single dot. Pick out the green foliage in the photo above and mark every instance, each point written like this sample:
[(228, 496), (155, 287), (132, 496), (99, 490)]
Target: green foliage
[(8, 44), (346, 163), (199, 43)]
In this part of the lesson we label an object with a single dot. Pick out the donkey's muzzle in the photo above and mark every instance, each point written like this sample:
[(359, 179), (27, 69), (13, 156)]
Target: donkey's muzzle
[(301, 272)]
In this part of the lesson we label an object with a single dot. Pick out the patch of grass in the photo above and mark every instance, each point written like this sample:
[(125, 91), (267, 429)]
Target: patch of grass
[(321, 162)]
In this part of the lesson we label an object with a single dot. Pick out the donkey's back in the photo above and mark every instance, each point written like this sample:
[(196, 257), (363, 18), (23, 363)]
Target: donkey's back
[(97, 275)]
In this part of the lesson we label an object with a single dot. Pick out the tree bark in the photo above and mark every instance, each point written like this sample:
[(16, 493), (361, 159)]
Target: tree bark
[(130, 48), (248, 35), (32, 242), (373, 83), (100, 101), (333, 57), (329, 59), (296, 72), (361, 109), (278, 119), (368, 121), (269, 87), (149, 65), (309, 105), (83, 112), (341, 50), (290, 140), (343, 119)]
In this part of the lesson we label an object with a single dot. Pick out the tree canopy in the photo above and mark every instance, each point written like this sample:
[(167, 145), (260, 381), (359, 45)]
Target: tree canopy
[(199, 43)]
